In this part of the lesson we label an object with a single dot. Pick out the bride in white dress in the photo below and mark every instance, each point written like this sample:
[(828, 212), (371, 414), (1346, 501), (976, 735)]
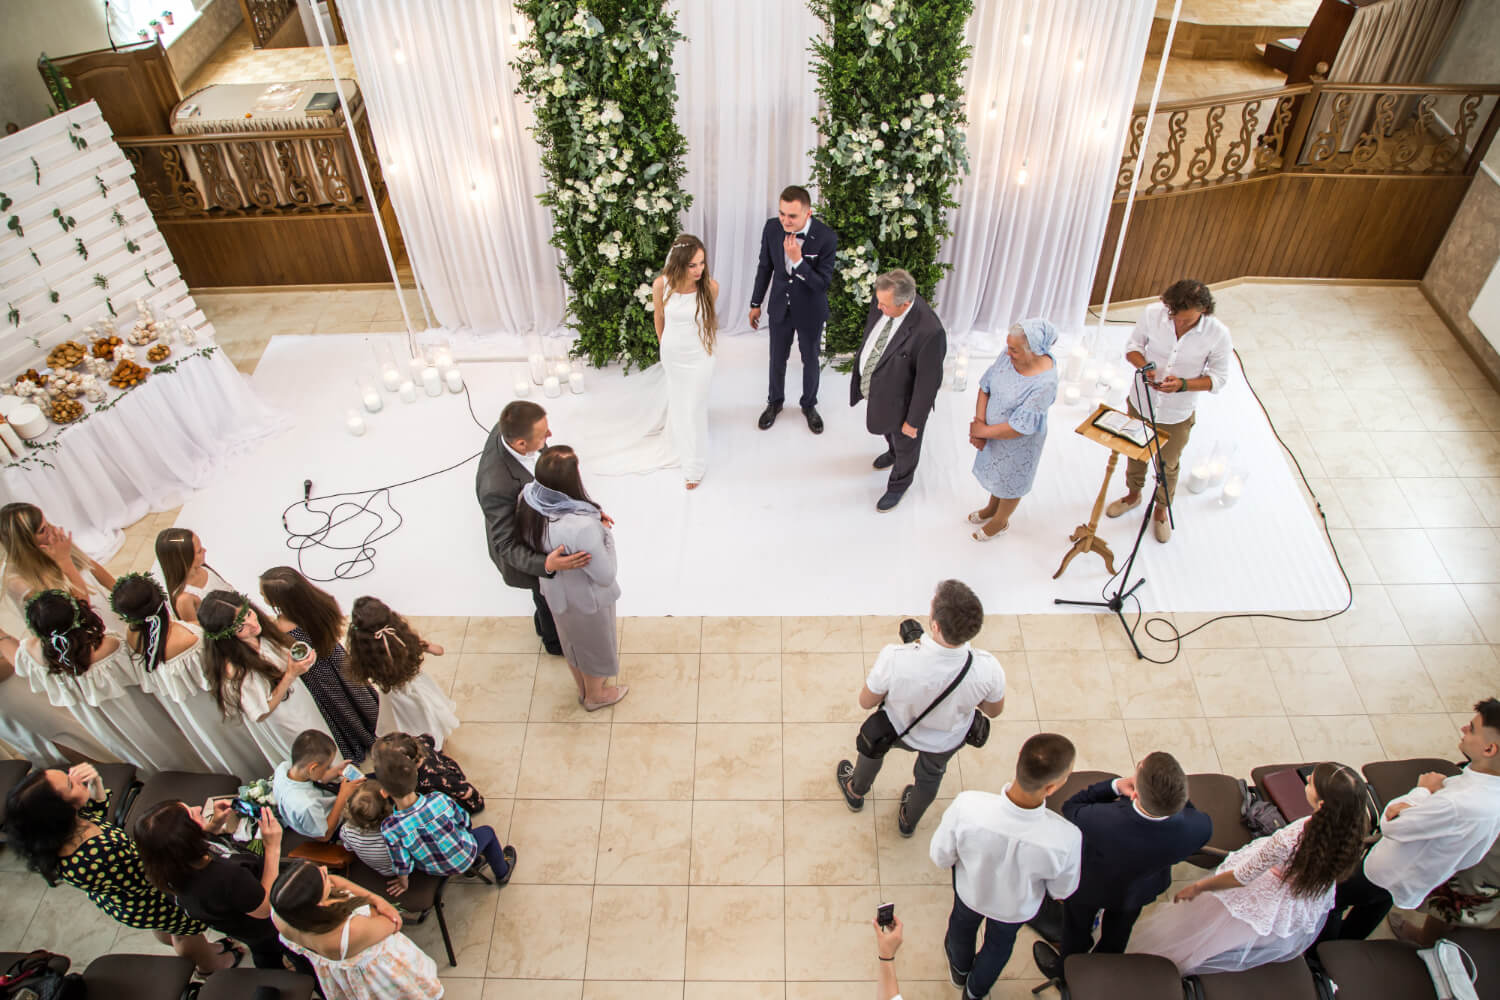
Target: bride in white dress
[(684, 297)]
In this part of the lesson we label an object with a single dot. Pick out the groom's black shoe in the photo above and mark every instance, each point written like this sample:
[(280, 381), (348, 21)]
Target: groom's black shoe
[(885, 461), (814, 422), (768, 415), (888, 502)]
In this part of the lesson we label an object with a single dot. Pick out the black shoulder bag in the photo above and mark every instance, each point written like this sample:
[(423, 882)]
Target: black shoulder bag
[(877, 734)]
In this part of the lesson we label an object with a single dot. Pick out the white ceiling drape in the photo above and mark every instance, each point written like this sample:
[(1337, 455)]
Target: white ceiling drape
[(1051, 85)]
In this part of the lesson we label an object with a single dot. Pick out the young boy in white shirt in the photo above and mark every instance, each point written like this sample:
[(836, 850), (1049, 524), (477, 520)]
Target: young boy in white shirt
[(1006, 851), (302, 804)]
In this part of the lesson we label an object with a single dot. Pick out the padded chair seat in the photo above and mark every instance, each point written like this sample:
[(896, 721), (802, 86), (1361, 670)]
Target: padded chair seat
[(11, 773), (138, 977), (242, 984), (59, 963), (1258, 775), (1218, 796), (1077, 782), (1376, 970), (192, 787), (422, 890), (1283, 980), (1122, 977), (1390, 778)]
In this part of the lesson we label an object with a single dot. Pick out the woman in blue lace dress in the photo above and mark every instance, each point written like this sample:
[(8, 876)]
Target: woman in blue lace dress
[(1010, 422)]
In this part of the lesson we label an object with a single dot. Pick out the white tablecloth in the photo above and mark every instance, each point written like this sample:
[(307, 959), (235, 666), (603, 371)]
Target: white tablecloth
[(163, 440)]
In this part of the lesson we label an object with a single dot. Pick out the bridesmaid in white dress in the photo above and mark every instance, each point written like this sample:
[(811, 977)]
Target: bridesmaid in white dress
[(83, 669), (684, 297), (41, 556), (32, 726), (385, 652), (171, 655), (180, 554), (253, 675)]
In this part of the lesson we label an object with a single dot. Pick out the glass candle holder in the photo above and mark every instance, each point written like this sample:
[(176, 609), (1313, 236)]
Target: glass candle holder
[(1234, 486), (369, 395)]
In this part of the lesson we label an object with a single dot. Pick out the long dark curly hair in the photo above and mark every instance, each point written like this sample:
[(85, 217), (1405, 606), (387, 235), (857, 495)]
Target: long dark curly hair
[(383, 648), (216, 614), (1333, 839), (70, 631), (38, 823)]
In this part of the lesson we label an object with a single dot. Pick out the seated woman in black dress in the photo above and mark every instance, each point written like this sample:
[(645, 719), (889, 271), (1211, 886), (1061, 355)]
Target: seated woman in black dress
[(57, 821), (187, 857)]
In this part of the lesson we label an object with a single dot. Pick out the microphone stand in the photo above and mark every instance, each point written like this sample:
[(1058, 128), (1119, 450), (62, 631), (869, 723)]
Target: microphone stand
[(1116, 601)]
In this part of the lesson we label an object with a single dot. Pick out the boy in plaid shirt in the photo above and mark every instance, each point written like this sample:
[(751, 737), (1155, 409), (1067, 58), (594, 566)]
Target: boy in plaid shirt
[(430, 833)]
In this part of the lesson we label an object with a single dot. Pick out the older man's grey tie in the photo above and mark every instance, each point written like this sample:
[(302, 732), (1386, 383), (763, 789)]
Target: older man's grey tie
[(873, 360)]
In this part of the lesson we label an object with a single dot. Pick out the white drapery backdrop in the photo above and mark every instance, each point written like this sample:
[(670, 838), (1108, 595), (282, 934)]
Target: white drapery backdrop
[(464, 171), (1051, 85)]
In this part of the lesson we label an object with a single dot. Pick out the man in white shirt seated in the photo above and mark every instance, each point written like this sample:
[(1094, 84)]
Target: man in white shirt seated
[(1441, 827), (910, 679), (1007, 851), (1190, 350)]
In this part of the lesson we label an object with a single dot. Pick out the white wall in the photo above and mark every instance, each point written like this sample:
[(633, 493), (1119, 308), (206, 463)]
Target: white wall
[(31, 27)]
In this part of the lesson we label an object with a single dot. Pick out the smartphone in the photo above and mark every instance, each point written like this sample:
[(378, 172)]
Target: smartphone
[(885, 914), (244, 808), (351, 773)]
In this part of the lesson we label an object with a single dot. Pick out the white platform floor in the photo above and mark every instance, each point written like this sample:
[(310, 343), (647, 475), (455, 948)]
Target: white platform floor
[(784, 523)]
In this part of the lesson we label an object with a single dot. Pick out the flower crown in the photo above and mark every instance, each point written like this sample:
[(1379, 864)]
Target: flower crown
[(232, 627), (72, 602), (114, 605)]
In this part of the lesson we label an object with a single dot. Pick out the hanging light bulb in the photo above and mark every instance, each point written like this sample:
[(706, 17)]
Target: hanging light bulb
[(1022, 176), (1078, 62), (392, 168), (514, 32), (474, 194), (495, 128), (994, 109), (399, 54), (1026, 37)]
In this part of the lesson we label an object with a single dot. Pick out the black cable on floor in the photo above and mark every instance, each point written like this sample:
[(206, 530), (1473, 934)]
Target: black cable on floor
[(362, 560), (1176, 637)]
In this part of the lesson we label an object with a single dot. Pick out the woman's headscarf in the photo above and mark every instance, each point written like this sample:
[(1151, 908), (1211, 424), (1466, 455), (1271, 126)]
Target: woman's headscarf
[(551, 504), (1040, 334)]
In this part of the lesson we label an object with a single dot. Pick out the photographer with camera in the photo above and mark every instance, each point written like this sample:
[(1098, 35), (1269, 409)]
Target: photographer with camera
[(931, 694)]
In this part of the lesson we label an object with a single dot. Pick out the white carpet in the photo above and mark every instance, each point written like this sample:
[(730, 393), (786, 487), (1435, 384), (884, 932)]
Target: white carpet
[(784, 523)]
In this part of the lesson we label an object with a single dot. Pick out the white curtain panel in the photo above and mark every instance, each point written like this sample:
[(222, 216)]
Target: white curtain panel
[(1051, 86), (462, 167), (746, 99)]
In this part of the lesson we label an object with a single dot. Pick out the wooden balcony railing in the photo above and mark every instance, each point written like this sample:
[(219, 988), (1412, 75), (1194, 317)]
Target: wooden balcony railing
[(266, 17), (1317, 127)]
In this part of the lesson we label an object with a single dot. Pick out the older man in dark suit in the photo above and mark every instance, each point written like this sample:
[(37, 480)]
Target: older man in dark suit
[(506, 464), (1134, 830), (899, 369)]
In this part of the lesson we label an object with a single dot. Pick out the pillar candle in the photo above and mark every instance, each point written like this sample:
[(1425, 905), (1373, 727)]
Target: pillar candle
[(372, 400), (390, 377), (12, 440), (1071, 394), (1234, 488), (432, 381), (561, 370), (522, 387), (354, 423), (408, 391), (538, 365), (551, 387), (575, 381), (454, 380)]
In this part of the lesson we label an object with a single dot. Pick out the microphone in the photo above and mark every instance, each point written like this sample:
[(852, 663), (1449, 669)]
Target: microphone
[(1149, 366), (306, 490)]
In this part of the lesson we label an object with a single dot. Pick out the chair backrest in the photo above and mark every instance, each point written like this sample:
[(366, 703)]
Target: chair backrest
[(1121, 977)]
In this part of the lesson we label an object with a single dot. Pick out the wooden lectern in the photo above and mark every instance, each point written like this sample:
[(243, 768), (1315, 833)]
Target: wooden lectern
[(1085, 537)]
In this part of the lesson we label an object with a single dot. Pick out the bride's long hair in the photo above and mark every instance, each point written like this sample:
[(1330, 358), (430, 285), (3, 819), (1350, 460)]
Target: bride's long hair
[(684, 248)]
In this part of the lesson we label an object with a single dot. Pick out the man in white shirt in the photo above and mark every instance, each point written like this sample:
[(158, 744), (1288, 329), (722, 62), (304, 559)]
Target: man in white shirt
[(1440, 828), (1191, 351), (909, 678), (1007, 852)]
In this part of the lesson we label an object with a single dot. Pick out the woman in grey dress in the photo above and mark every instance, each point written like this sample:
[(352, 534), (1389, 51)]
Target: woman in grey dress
[(556, 512), (1010, 422)]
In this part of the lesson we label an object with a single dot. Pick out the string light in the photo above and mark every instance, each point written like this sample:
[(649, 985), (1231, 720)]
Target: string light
[(474, 194), (392, 167), (994, 109), (1026, 37), (1022, 176), (399, 55), (1078, 62), (495, 128)]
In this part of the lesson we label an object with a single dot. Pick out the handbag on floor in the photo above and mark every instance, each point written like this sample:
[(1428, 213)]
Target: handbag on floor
[(34, 977), (1453, 972), (877, 734)]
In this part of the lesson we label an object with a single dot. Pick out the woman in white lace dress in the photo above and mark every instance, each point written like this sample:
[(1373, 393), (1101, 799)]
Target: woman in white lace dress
[(684, 297), (1268, 900)]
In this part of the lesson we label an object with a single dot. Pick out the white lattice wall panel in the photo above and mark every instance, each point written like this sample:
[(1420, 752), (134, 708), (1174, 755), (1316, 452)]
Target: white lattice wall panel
[(42, 170)]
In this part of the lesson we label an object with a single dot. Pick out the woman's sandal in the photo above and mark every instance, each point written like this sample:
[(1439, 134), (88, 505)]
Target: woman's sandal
[(227, 945), (978, 517)]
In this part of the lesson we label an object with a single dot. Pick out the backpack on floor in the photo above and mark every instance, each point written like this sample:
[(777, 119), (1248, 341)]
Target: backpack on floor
[(32, 977)]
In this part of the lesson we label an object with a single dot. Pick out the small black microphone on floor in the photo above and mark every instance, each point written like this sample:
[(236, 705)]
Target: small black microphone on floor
[(306, 490)]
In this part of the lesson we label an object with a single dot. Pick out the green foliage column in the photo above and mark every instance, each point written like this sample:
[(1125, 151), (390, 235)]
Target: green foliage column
[(600, 83), (890, 73)]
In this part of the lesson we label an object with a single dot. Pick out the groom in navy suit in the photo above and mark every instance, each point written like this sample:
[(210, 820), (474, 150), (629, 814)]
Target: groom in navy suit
[(1134, 830), (796, 266)]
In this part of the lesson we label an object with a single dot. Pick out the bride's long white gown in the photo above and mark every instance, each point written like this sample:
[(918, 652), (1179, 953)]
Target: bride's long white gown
[(689, 369)]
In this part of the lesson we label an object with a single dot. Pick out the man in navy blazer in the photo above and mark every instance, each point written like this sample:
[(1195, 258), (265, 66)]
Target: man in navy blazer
[(1134, 831), (796, 268)]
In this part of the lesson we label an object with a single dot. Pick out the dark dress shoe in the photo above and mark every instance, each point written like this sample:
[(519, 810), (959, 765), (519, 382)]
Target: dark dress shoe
[(1047, 960), (887, 502), (885, 461), (768, 415), (814, 422)]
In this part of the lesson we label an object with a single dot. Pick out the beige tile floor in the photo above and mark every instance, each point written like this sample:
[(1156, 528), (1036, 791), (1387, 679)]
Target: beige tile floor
[(690, 842)]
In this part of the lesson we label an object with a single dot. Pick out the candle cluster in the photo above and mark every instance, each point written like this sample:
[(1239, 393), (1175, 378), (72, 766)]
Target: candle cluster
[(433, 368)]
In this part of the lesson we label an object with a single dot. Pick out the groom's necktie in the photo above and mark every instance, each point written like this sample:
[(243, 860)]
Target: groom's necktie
[(876, 351)]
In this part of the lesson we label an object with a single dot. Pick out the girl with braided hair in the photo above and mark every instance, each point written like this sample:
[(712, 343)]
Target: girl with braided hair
[(253, 677), (386, 652), (170, 657), (1268, 900), (78, 666)]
